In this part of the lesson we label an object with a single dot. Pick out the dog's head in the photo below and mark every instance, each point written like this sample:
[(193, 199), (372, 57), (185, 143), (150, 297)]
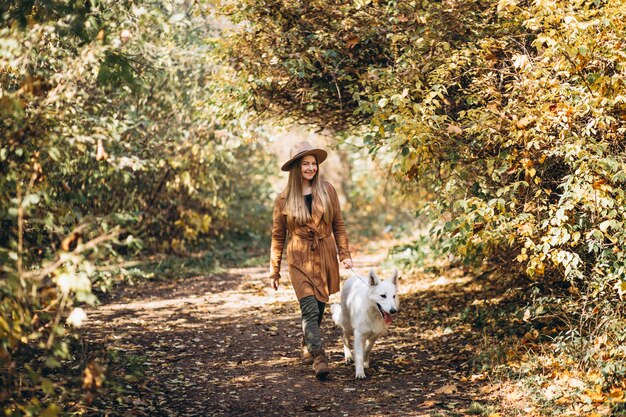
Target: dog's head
[(385, 295)]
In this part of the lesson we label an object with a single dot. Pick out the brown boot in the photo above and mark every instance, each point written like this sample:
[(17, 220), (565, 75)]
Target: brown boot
[(320, 363), (307, 358)]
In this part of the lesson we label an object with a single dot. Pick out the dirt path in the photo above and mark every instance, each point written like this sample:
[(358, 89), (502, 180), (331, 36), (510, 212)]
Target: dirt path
[(228, 345)]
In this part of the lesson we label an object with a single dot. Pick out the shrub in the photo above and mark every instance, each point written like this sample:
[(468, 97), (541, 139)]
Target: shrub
[(122, 135)]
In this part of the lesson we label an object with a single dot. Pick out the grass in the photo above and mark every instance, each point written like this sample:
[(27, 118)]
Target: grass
[(478, 409), (133, 365)]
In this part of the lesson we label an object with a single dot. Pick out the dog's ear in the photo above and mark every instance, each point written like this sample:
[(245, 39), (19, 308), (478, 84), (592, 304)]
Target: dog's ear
[(374, 280), (394, 278)]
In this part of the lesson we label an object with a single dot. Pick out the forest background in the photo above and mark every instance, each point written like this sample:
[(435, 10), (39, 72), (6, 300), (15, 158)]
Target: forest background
[(135, 134)]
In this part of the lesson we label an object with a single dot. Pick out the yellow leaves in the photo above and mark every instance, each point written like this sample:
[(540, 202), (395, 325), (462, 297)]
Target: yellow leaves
[(478, 377), (524, 122), (522, 256), (620, 286), (529, 167), (93, 376), (454, 130), (402, 360), (598, 184), (193, 223), (520, 61), (591, 397), (177, 244), (447, 389), (552, 392), (4, 327), (576, 383), (536, 266), (568, 388), (361, 3), (352, 41), (506, 5), (616, 395), (526, 229), (206, 223), (101, 153), (51, 411), (531, 335)]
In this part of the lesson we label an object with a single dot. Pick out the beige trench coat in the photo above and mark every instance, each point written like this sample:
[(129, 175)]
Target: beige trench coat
[(312, 248)]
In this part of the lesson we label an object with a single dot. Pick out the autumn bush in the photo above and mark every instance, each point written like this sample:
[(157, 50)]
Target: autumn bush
[(122, 135), (509, 114)]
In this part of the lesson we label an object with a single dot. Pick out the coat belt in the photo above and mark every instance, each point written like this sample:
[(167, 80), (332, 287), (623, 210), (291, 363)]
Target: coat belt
[(312, 237)]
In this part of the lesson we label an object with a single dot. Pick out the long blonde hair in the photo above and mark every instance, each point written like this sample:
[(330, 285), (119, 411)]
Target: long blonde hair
[(295, 208)]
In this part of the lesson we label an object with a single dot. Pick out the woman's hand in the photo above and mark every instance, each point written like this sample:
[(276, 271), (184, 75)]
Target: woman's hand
[(274, 283), (347, 263)]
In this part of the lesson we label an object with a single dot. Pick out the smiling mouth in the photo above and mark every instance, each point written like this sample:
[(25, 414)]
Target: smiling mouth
[(387, 318)]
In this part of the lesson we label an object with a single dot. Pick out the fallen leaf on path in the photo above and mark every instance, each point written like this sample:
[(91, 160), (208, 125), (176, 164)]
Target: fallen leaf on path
[(576, 383), (596, 396), (478, 377), (447, 389), (551, 392), (616, 394), (488, 389)]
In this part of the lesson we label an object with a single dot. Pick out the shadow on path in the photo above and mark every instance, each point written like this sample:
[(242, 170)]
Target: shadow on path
[(228, 345)]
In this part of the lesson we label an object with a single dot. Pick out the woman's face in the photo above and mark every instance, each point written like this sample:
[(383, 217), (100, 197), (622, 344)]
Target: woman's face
[(308, 167)]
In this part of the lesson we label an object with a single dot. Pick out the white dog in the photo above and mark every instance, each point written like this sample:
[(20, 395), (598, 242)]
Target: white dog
[(366, 310)]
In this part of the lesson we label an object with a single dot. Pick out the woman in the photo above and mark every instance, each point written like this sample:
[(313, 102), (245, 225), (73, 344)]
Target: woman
[(309, 210)]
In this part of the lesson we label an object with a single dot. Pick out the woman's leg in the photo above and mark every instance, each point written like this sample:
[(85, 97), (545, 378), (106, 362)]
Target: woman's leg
[(307, 358), (311, 319), (320, 307)]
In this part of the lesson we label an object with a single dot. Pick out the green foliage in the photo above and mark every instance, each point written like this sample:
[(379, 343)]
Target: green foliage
[(375, 208), (122, 134), (508, 114), (511, 113)]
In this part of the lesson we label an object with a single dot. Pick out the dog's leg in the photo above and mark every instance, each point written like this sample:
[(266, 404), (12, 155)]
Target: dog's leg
[(366, 353), (369, 344), (358, 355), (347, 354)]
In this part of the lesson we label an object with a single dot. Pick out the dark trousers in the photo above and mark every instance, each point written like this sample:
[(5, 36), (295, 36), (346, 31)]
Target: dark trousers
[(312, 313)]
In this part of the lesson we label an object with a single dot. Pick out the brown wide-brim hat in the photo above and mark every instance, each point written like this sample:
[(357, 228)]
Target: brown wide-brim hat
[(301, 149)]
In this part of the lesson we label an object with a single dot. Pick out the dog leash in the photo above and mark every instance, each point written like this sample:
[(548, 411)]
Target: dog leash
[(358, 276)]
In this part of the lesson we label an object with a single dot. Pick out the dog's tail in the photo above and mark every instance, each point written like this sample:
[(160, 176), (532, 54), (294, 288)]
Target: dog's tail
[(335, 309)]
